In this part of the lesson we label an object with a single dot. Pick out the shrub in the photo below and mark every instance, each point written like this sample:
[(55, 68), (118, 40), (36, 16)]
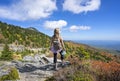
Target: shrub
[(13, 75), (17, 57), (106, 71), (6, 53)]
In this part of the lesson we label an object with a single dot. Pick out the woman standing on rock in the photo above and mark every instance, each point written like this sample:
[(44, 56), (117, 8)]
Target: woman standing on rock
[(57, 46)]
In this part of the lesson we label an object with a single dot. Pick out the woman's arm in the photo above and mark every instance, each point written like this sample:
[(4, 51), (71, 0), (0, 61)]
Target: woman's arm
[(62, 43), (51, 42)]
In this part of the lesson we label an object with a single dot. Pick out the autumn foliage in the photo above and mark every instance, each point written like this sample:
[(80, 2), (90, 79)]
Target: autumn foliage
[(88, 70), (106, 71)]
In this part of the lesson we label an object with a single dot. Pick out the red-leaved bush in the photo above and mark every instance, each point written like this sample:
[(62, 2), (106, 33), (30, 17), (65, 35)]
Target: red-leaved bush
[(106, 71)]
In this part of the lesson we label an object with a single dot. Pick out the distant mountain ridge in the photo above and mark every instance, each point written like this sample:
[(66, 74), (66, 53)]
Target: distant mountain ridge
[(112, 46), (32, 28)]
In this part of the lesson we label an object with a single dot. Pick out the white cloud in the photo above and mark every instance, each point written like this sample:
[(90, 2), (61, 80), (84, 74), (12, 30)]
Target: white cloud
[(79, 6), (75, 28), (28, 9), (55, 24)]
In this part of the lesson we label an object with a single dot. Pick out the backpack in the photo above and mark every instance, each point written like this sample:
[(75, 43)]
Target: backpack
[(56, 44)]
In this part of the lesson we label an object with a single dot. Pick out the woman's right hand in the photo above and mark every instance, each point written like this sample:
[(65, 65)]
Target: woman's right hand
[(64, 49)]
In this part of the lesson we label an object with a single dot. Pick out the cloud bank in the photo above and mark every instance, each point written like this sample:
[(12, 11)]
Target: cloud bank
[(28, 9), (75, 28), (36, 9), (55, 24), (79, 6)]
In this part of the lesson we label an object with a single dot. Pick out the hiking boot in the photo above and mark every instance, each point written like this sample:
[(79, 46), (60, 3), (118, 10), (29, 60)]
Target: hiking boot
[(55, 67), (63, 64)]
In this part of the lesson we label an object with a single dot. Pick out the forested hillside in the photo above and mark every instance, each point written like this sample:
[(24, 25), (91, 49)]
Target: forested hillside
[(21, 36)]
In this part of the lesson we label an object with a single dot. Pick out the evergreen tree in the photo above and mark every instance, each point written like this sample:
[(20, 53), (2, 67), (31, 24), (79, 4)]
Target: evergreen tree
[(6, 53)]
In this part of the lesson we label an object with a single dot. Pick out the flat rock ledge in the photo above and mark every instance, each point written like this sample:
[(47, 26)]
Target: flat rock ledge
[(36, 68)]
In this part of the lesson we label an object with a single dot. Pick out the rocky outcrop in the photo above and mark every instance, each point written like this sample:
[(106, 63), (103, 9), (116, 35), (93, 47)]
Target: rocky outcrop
[(35, 68)]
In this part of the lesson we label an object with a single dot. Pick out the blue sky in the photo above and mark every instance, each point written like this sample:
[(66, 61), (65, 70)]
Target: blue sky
[(77, 19)]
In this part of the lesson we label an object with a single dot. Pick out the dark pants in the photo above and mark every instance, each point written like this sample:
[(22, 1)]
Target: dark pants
[(55, 56)]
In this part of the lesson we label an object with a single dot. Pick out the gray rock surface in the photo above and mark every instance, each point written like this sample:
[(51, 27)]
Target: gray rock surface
[(36, 68)]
